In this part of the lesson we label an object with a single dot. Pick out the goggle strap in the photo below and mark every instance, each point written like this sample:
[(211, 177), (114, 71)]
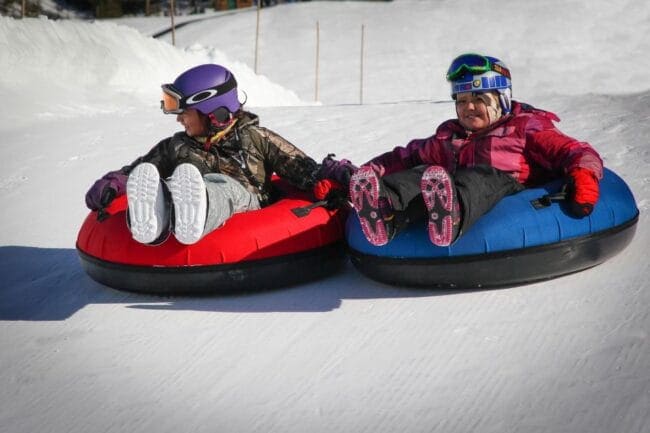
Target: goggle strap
[(220, 89), (479, 69), (500, 69)]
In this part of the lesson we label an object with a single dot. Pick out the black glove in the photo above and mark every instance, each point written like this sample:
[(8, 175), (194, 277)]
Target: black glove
[(107, 197), (336, 199)]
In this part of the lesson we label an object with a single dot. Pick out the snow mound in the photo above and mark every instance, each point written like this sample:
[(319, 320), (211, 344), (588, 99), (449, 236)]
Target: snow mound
[(123, 69)]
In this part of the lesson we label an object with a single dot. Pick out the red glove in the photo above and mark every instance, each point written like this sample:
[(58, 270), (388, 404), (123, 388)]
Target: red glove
[(324, 186), (583, 191), (332, 191)]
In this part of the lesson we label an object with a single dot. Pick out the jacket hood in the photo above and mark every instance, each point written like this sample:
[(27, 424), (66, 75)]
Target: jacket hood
[(246, 118), (521, 107), (518, 109)]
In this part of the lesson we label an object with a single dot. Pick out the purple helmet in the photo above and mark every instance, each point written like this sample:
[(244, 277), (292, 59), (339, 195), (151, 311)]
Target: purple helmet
[(206, 88)]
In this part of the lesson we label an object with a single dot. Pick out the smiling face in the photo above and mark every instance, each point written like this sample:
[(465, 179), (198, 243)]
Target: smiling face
[(195, 123), (477, 111), (472, 111)]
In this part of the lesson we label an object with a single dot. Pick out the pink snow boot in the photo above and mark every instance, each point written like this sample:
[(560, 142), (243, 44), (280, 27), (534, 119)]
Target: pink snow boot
[(373, 207), (439, 195)]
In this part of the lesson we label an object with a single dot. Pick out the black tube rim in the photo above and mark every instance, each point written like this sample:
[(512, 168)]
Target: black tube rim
[(228, 278)]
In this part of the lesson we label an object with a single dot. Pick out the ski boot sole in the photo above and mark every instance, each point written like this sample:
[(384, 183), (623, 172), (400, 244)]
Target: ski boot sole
[(439, 196), (146, 201), (365, 196), (189, 197)]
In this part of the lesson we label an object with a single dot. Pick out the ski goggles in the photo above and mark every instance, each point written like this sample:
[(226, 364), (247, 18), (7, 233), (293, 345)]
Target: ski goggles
[(173, 101), (475, 64)]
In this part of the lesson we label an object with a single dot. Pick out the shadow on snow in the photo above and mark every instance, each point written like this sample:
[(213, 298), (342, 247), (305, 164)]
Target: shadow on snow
[(41, 284)]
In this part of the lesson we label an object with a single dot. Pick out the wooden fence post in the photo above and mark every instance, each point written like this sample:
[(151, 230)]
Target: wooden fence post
[(317, 59), (257, 32), (363, 30), (171, 14)]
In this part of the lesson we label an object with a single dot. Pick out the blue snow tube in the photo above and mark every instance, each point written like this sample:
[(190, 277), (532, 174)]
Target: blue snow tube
[(515, 243)]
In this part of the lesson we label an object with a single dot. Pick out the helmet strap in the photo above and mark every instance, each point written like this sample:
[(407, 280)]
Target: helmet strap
[(218, 135), (505, 100), (217, 125)]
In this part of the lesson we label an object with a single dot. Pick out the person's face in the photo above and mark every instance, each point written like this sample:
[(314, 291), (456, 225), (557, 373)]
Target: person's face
[(195, 124), (472, 112)]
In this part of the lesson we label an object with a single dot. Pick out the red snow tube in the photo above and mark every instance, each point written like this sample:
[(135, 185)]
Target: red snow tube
[(255, 250)]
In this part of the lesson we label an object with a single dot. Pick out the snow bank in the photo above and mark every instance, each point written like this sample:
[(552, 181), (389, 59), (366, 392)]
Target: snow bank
[(81, 68)]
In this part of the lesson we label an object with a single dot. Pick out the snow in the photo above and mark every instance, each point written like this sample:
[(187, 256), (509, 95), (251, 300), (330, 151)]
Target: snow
[(343, 354)]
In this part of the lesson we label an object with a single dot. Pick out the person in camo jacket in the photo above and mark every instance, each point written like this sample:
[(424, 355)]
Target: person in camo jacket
[(222, 164), (495, 147)]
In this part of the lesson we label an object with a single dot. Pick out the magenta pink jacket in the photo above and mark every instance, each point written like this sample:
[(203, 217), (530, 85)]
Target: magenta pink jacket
[(525, 144)]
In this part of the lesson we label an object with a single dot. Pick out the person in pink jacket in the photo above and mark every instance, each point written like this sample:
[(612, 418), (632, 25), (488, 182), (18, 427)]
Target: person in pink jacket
[(495, 147)]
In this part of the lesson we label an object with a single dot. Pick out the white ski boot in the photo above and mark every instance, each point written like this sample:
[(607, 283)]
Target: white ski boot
[(148, 210), (190, 200)]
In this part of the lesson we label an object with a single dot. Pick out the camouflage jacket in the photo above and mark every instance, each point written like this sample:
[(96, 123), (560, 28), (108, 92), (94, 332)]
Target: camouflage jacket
[(248, 153)]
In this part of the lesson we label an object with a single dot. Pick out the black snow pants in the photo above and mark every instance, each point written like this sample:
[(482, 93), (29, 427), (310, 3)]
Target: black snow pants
[(478, 189)]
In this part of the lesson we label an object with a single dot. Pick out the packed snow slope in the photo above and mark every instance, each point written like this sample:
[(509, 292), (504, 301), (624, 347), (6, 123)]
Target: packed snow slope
[(344, 354)]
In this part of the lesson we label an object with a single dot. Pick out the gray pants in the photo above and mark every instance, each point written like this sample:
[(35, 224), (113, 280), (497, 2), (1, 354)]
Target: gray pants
[(226, 197)]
